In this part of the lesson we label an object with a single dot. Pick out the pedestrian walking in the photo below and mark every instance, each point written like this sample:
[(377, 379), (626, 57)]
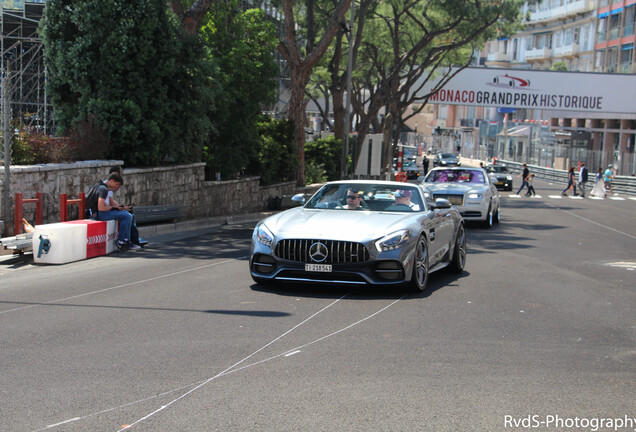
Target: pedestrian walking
[(531, 191), (524, 176), (425, 165), (582, 179), (571, 183), (608, 176), (598, 190)]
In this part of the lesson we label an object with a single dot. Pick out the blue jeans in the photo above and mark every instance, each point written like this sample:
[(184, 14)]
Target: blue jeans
[(525, 183), (125, 222)]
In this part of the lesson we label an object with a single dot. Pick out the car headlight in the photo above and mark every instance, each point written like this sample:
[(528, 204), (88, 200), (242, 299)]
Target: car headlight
[(427, 194), (474, 195), (393, 241), (508, 177), (264, 235), (443, 162)]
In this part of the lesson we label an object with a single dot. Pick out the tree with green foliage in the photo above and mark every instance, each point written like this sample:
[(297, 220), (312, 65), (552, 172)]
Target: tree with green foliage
[(277, 160), (128, 66), (241, 44), (399, 46)]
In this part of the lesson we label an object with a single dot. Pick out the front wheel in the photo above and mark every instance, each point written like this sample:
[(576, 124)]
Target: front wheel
[(487, 223), (420, 266), (458, 262)]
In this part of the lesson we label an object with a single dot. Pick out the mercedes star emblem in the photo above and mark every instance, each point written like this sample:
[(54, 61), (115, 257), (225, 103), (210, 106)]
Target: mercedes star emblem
[(318, 252)]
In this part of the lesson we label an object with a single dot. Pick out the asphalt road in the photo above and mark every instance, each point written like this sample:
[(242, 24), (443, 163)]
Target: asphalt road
[(540, 330)]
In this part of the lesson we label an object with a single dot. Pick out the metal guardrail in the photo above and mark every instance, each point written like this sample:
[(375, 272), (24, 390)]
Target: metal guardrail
[(621, 184)]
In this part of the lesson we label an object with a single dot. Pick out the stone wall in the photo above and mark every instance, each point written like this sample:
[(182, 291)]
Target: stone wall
[(179, 184)]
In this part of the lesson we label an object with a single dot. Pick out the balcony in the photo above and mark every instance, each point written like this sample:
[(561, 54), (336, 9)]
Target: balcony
[(498, 57), (577, 7), (538, 54), (567, 50)]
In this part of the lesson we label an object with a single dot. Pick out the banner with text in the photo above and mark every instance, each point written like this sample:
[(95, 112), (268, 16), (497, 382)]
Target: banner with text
[(529, 89)]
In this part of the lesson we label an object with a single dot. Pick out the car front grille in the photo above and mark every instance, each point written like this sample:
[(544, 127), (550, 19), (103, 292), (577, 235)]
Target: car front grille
[(454, 199), (338, 252)]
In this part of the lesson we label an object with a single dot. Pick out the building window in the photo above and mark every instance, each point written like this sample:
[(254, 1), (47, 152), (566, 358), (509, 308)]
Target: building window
[(567, 37), (630, 20), (627, 51), (602, 26), (615, 26), (442, 112)]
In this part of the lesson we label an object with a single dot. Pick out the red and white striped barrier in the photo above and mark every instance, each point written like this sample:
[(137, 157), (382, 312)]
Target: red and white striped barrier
[(63, 242)]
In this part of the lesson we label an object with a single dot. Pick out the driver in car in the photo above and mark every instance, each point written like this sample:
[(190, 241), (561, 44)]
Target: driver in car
[(354, 200)]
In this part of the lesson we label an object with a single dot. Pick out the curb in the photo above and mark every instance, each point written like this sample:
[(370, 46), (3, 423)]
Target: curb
[(198, 224)]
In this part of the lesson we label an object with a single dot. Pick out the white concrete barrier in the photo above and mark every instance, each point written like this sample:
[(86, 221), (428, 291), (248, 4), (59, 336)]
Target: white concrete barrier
[(64, 242)]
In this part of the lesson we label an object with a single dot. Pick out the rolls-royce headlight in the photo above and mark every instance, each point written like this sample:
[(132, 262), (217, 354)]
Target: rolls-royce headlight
[(393, 241), (508, 177), (264, 235), (427, 194), (474, 195)]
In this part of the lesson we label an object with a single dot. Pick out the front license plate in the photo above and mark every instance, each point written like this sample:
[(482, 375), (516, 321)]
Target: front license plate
[(318, 267)]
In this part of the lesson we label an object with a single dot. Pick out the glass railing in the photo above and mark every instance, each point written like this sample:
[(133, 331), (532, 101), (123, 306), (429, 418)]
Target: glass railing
[(628, 30), (600, 37), (625, 67)]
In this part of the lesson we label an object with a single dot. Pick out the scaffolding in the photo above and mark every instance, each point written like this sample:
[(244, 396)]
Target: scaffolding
[(23, 68)]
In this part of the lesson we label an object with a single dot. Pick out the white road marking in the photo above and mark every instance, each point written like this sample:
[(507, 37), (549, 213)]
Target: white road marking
[(289, 354), (555, 196)]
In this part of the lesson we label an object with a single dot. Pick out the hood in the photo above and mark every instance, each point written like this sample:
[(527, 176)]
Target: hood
[(350, 225)]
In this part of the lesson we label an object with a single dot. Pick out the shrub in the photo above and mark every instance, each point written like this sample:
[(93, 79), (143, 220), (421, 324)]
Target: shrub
[(327, 153), (314, 172)]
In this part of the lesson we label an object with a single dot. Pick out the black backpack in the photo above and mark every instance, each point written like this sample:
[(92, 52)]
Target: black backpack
[(92, 197)]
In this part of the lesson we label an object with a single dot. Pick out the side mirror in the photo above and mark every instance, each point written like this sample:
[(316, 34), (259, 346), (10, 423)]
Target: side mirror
[(299, 198)]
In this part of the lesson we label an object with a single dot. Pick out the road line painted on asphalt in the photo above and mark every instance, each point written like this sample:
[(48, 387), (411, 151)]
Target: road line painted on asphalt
[(555, 196), (292, 353), (196, 385), (231, 367), (122, 286), (615, 198)]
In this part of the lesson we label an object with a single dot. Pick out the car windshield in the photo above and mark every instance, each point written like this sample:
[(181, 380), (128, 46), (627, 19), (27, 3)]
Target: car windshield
[(497, 169), (367, 197), (447, 156), (455, 176)]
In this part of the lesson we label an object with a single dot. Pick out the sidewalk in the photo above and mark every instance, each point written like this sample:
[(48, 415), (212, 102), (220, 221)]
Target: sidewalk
[(7, 257)]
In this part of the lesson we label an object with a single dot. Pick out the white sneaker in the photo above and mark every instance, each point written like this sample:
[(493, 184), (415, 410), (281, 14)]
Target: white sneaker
[(133, 246)]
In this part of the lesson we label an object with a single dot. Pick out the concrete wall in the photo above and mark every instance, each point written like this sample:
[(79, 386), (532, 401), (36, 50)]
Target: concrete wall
[(179, 184)]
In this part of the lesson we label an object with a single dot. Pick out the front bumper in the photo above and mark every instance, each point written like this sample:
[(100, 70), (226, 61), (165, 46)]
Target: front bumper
[(380, 272)]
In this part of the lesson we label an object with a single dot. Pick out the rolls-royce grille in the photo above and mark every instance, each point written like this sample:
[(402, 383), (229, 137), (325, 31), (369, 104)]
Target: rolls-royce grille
[(336, 252), (454, 199)]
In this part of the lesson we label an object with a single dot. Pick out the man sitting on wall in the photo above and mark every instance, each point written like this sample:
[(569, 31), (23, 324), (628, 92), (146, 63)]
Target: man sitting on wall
[(99, 209)]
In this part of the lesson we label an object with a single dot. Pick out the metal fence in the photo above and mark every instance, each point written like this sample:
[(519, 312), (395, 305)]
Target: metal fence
[(620, 184)]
